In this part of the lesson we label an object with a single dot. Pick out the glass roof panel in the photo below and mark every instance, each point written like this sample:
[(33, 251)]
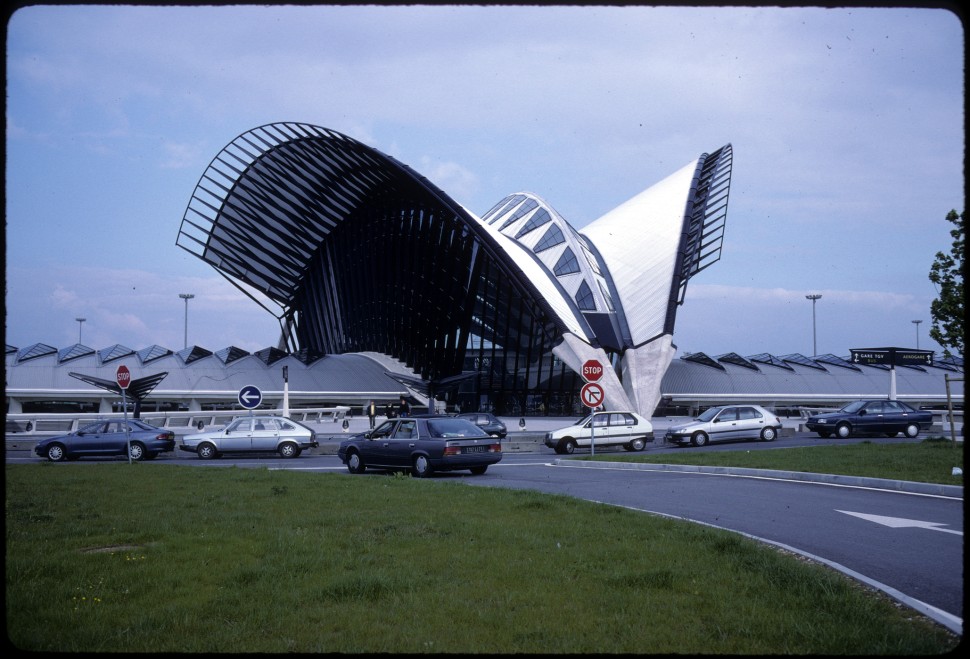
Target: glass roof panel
[(117, 351), (192, 354), (701, 358), (765, 358), (231, 354), (737, 360), (35, 351), (802, 360), (152, 353), (73, 352)]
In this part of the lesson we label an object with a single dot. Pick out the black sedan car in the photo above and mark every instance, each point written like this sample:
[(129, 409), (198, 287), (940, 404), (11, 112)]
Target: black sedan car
[(871, 417), (487, 422), (422, 445), (108, 438)]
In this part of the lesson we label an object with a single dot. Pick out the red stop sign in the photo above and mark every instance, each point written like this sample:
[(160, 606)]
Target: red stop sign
[(123, 376), (592, 370)]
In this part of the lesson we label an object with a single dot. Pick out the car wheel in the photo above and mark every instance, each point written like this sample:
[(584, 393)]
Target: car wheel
[(289, 450), (638, 444), (207, 451), (569, 446), (478, 471), (912, 430), (137, 451), (843, 430), (56, 453), (768, 434), (698, 438), (355, 463), (421, 467)]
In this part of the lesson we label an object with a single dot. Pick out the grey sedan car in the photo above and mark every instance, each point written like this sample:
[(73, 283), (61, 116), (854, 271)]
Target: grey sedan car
[(267, 434), (487, 422), (422, 445), (727, 422)]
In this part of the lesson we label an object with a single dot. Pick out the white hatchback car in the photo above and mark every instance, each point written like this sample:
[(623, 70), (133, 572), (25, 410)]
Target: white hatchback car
[(626, 429), (269, 434), (726, 422)]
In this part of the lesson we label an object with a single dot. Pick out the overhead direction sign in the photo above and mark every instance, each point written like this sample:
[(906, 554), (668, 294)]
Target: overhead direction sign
[(250, 397), (592, 370), (123, 377), (592, 394), (892, 356)]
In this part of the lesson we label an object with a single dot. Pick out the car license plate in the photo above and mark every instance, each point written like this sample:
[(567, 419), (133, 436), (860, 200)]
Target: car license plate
[(478, 448)]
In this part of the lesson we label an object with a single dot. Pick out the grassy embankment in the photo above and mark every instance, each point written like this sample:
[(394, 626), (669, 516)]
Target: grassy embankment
[(929, 461), (151, 557)]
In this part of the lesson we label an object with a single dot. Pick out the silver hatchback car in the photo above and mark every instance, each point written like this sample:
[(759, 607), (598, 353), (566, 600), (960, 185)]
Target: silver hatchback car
[(269, 434), (726, 422)]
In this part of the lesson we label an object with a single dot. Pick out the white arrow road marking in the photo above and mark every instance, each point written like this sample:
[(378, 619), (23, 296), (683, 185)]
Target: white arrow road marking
[(901, 523)]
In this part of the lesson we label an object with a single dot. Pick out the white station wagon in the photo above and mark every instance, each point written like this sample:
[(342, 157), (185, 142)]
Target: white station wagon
[(626, 429)]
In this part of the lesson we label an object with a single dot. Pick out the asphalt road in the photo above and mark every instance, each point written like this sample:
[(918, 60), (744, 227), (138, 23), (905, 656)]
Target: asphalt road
[(907, 544)]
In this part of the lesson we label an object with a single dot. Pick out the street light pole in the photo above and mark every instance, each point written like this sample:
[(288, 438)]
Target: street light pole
[(186, 297), (814, 298), (917, 322), (79, 325)]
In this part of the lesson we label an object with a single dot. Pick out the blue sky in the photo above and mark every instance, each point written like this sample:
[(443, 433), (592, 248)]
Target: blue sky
[(847, 127)]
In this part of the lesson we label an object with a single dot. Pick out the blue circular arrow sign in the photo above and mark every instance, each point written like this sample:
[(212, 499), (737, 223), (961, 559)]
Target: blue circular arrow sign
[(250, 396)]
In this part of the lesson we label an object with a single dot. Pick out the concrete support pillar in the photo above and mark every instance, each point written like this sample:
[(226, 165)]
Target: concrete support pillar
[(643, 370), (574, 352)]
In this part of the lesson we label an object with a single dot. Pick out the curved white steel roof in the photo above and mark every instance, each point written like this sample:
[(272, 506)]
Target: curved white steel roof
[(639, 241)]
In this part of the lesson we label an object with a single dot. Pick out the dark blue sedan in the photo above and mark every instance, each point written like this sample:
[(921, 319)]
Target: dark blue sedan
[(871, 417), (108, 438), (422, 445)]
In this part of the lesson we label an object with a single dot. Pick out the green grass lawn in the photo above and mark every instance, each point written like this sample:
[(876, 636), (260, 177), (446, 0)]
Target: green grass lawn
[(929, 461), (115, 557)]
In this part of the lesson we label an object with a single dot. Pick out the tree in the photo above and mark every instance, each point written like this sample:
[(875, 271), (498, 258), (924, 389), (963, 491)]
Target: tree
[(947, 275)]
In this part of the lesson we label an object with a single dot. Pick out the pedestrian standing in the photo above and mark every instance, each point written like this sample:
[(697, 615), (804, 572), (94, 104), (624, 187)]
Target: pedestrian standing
[(371, 413)]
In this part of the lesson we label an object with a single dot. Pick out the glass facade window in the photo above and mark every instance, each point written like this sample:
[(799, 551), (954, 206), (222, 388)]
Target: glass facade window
[(553, 237), (584, 298), (538, 219), (567, 264), (519, 213)]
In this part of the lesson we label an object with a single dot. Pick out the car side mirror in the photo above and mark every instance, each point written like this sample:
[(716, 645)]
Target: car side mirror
[(227, 431), (862, 412)]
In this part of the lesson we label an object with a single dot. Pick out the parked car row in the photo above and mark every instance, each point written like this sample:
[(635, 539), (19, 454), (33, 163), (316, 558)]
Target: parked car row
[(425, 444)]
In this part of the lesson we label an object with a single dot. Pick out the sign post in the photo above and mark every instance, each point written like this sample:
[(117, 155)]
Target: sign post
[(592, 396), (123, 378)]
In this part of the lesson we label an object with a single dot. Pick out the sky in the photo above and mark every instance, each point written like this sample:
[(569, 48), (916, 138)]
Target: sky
[(847, 127)]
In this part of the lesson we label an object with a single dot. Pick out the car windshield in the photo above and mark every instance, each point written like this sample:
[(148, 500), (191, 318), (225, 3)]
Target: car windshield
[(709, 413), (444, 428), (853, 407)]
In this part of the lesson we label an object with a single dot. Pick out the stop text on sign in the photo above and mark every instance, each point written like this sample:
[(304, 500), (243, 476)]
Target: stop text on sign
[(123, 376), (592, 370)]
